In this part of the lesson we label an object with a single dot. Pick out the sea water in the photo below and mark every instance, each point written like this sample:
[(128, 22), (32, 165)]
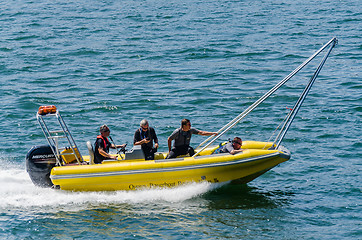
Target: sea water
[(117, 62)]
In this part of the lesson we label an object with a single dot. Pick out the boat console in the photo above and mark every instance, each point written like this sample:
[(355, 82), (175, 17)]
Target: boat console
[(135, 153)]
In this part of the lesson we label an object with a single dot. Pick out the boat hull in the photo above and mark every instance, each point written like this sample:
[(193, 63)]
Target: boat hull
[(135, 175)]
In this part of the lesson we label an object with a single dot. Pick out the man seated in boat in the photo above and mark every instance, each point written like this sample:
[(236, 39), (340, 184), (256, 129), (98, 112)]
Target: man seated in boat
[(102, 145), (145, 136), (182, 137), (232, 147)]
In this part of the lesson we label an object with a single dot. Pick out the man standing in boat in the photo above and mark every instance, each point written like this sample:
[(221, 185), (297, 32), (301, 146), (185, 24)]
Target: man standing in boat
[(102, 145), (145, 136), (182, 137), (232, 147)]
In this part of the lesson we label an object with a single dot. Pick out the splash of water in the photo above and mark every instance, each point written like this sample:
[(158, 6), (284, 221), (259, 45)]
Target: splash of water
[(20, 193)]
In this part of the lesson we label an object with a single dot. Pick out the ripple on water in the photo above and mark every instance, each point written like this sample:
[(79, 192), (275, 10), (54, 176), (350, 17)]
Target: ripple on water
[(120, 62)]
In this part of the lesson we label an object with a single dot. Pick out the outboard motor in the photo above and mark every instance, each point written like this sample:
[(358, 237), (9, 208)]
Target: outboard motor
[(39, 162)]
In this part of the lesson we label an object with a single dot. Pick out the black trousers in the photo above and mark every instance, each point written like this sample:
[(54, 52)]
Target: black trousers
[(180, 150), (149, 153)]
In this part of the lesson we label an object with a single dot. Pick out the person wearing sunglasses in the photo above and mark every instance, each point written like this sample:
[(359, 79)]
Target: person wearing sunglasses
[(232, 147), (182, 137), (102, 145), (145, 136)]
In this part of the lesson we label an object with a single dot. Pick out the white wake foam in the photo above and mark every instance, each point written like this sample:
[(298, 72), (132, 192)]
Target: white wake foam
[(18, 192)]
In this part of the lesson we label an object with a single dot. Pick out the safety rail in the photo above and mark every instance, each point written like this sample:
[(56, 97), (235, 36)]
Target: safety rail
[(63, 155)]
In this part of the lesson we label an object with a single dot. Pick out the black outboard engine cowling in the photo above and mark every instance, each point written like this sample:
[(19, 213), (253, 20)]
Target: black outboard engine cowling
[(39, 162)]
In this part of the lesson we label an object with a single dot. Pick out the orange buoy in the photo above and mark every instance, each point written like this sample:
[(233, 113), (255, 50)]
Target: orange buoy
[(44, 110)]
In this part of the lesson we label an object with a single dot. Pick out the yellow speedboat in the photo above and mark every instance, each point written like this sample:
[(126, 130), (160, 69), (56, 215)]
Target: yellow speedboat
[(130, 172), (65, 168), (61, 167), (139, 174)]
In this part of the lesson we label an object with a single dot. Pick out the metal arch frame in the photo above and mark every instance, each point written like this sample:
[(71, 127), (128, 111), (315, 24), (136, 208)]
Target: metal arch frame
[(53, 140)]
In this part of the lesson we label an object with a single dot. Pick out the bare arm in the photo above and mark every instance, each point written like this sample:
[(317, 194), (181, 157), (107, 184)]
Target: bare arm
[(205, 133), (169, 141), (117, 146), (104, 154), (236, 151), (142, 142)]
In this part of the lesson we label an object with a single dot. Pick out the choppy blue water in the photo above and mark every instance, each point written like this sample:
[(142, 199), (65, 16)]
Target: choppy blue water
[(117, 62)]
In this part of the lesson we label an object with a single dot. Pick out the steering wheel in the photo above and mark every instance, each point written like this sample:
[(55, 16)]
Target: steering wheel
[(123, 149)]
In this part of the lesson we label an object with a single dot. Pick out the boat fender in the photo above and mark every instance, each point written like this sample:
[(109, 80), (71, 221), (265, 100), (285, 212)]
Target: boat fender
[(39, 162)]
